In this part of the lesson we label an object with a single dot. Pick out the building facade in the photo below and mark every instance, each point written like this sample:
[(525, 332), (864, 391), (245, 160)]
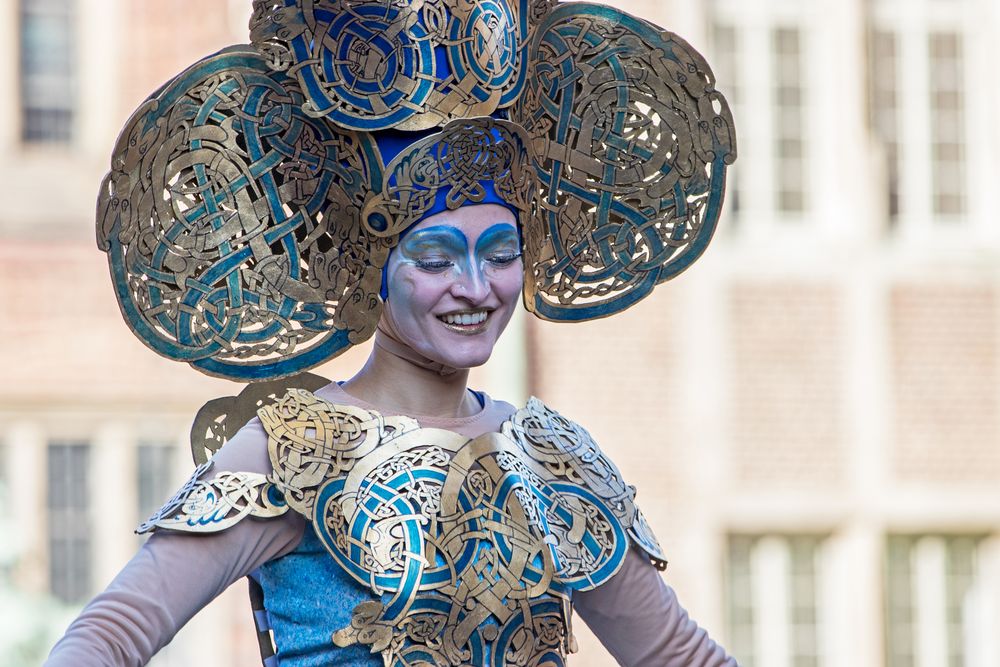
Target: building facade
[(811, 413), (812, 410)]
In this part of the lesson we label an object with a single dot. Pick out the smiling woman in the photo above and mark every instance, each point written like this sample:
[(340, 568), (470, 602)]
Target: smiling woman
[(406, 172), (454, 282)]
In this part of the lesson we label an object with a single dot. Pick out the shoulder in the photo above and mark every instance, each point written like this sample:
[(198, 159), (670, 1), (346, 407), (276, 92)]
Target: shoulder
[(551, 436), (224, 490), (568, 453), (310, 440), (246, 451)]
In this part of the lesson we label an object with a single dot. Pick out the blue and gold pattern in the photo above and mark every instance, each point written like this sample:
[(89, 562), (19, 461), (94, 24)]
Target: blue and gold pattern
[(405, 64), (457, 161), (228, 220), (248, 213), (632, 142), (474, 545), (471, 548)]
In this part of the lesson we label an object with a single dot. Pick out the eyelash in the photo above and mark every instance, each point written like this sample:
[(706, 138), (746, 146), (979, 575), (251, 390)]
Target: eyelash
[(434, 265), (438, 265), (504, 260)]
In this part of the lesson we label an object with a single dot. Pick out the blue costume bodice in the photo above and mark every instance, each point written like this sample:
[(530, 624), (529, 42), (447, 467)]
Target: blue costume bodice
[(308, 596), (307, 593), (425, 546)]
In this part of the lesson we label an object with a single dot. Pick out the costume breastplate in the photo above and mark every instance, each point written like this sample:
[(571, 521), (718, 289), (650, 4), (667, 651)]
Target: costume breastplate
[(471, 547)]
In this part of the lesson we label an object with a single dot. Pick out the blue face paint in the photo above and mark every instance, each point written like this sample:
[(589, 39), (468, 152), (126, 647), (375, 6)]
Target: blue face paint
[(444, 249)]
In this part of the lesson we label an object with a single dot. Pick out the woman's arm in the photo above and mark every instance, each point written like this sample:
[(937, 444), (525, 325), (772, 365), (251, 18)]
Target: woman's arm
[(174, 575), (638, 619)]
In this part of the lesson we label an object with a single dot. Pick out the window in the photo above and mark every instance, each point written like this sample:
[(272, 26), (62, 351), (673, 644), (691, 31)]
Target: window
[(947, 104), (760, 51), (154, 465), (789, 121), (772, 604), (931, 602), (884, 95), (48, 72), (69, 530), (919, 103)]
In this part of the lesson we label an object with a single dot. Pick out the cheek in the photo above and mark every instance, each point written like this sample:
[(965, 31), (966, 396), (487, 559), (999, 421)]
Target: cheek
[(509, 284), (410, 293)]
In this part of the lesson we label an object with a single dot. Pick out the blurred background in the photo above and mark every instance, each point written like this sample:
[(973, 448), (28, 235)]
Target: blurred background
[(811, 413)]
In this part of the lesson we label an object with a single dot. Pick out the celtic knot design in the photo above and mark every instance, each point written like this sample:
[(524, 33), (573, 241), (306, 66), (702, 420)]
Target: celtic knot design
[(220, 418), (307, 442), (230, 219), (568, 451), (473, 545), (211, 505), (631, 141), (409, 64), (459, 159), (248, 213)]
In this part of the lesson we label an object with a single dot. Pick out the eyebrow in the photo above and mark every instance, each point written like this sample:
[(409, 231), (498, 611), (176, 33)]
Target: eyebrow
[(497, 234), (449, 237)]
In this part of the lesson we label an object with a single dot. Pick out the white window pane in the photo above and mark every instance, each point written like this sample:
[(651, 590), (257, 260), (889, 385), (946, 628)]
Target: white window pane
[(930, 582), (772, 601), (69, 531), (47, 71)]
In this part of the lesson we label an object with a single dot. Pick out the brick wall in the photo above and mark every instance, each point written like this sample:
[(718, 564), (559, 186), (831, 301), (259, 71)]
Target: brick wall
[(785, 351), (163, 38), (945, 380)]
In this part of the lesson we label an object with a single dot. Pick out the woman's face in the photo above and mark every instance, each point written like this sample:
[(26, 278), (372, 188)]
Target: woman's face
[(454, 281)]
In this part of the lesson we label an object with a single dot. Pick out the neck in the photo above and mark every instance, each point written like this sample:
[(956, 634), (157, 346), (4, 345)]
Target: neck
[(395, 384)]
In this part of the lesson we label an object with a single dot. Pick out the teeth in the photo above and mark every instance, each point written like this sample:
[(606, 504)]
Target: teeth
[(467, 319)]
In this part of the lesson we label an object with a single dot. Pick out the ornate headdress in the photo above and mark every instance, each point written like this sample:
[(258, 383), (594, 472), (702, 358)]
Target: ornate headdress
[(248, 212)]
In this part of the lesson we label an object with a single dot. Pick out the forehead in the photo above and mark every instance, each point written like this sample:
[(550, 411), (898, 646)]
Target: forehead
[(471, 221)]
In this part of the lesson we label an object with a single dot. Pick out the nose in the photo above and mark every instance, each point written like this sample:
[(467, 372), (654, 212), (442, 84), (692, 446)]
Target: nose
[(471, 285)]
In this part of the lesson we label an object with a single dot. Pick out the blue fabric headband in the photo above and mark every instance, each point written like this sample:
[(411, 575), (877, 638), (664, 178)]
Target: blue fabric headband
[(393, 142)]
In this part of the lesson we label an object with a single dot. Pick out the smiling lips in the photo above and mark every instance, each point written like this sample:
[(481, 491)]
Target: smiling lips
[(466, 322)]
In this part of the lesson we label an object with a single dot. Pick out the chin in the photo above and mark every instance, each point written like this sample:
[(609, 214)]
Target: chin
[(470, 360), (463, 354)]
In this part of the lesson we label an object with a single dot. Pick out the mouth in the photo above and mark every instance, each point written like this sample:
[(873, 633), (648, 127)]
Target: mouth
[(466, 322)]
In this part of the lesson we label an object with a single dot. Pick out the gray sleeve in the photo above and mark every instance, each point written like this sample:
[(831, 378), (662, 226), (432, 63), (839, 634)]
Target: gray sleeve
[(174, 575), (638, 619)]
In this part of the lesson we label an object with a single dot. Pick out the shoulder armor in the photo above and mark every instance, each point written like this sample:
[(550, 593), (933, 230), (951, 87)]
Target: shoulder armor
[(310, 440), (568, 451), (213, 505), (478, 542)]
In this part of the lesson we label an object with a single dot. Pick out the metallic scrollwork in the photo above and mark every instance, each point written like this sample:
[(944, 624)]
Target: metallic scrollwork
[(248, 213), (473, 545), (409, 64), (569, 452), (220, 418), (212, 505), (458, 159), (632, 142), (230, 219), (307, 442)]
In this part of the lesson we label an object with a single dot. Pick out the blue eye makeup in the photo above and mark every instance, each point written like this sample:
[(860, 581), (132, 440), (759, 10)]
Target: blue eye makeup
[(499, 245), (445, 248), (434, 249)]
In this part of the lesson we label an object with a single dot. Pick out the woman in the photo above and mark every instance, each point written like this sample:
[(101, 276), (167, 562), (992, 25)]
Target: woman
[(257, 225)]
